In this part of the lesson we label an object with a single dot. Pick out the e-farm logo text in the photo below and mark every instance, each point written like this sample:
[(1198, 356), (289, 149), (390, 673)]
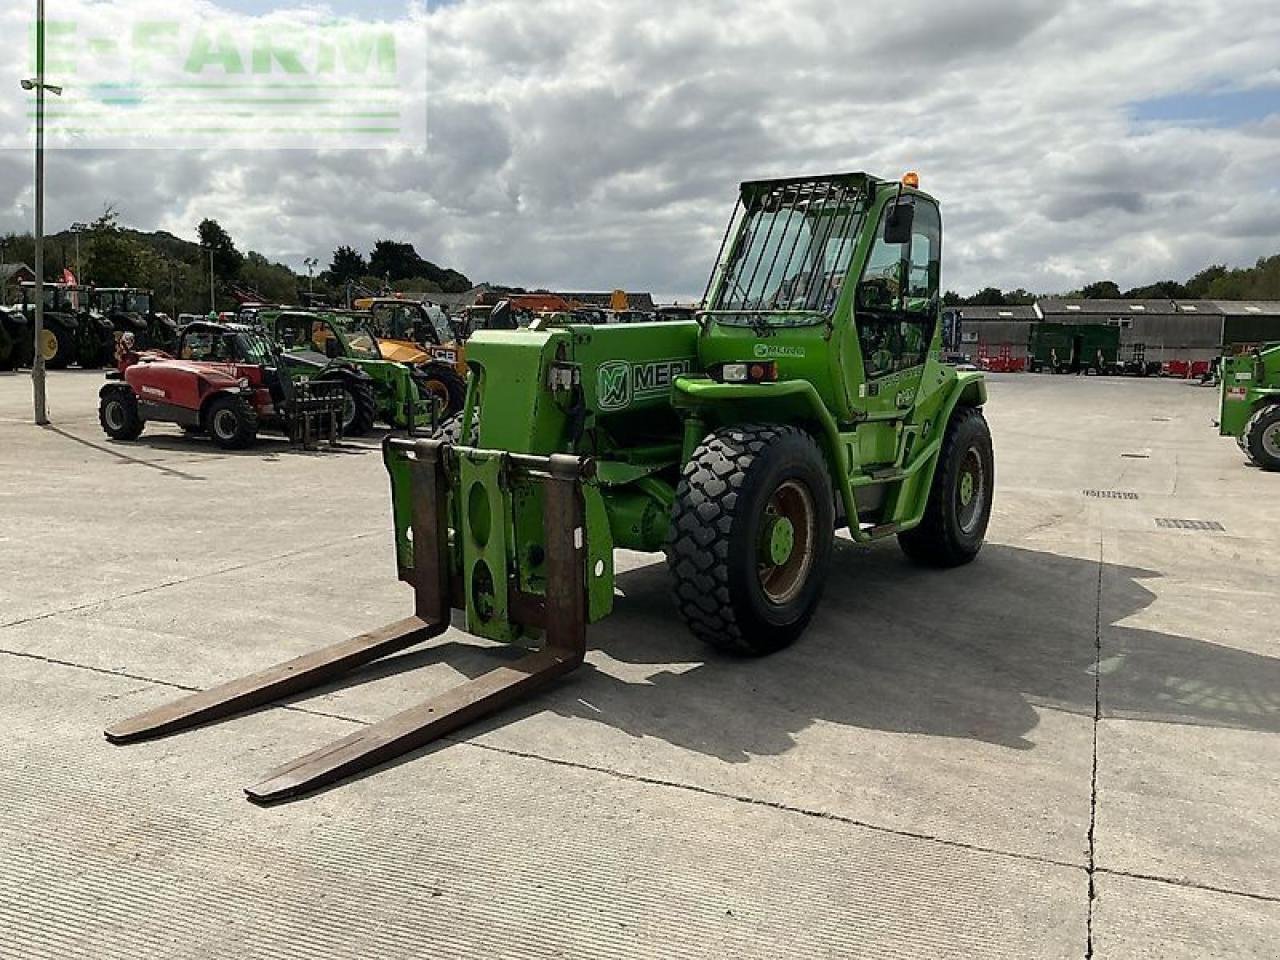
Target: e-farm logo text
[(285, 79), (620, 382)]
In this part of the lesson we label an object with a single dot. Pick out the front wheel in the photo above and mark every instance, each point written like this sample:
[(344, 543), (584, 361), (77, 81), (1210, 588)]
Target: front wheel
[(959, 506), (119, 416), (751, 534), (359, 407), (232, 422), (1261, 437), (443, 384)]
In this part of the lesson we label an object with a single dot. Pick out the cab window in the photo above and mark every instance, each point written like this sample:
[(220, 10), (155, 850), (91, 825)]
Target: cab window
[(897, 298)]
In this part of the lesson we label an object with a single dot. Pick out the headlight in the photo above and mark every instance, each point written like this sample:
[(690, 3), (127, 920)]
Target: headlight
[(243, 383)]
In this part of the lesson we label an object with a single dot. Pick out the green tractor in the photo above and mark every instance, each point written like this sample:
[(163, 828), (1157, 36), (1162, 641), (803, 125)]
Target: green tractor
[(132, 310), (807, 396), (399, 396), (1250, 409), (73, 331), (16, 349)]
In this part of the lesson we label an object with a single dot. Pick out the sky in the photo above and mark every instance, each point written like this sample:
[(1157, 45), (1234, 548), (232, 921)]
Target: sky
[(597, 144)]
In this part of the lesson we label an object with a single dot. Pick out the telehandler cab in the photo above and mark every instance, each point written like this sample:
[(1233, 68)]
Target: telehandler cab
[(808, 395)]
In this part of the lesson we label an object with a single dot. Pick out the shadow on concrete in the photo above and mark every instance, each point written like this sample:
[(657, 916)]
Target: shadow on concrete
[(971, 653), (267, 448)]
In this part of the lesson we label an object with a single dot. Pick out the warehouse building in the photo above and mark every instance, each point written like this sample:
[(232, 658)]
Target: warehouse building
[(1162, 330)]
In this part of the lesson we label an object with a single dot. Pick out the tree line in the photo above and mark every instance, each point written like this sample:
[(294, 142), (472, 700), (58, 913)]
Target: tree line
[(1217, 282), (106, 254)]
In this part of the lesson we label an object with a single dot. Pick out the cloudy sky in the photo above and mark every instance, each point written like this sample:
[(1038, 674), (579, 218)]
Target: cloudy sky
[(598, 143)]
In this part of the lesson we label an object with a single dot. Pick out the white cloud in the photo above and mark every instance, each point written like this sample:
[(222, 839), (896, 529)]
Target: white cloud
[(591, 144)]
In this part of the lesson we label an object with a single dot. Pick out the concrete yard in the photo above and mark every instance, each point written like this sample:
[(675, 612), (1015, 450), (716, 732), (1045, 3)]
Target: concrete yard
[(1070, 748)]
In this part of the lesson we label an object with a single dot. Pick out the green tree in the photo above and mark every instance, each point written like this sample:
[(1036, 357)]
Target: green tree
[(347, 266), (227, 260), (1101, 290)]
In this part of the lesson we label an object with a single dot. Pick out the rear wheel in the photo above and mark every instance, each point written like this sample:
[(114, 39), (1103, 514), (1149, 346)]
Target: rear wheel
[(119, 416), (445, 385), (1262, 437), (959, 507), (232, 422), (751, 535), (57, 345)]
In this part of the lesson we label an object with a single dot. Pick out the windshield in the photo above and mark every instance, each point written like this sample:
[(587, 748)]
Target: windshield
[(439, 322), (793, 249), (256, 348), (360, 341), (138, 303)]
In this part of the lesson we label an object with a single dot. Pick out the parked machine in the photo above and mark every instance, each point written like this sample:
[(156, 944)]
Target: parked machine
[(16, 348), (807, 396), (395, 393), (1073, 347), (73, 332), (228, 381), (1250, 404), (419, 334), (132, 310)]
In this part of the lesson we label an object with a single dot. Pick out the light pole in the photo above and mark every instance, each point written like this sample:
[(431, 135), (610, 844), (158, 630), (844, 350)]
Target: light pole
[(213, 305), (311, 263), (39, 86), (77, 228)]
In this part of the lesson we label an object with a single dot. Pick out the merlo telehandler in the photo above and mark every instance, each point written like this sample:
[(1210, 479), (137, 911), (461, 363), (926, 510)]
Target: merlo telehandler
[(1250, 404), (808, 395)]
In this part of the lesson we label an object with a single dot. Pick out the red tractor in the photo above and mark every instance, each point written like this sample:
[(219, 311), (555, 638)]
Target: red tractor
[(227, 380)]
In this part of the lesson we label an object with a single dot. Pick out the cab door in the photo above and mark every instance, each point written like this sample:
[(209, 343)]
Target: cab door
[(896, 306)]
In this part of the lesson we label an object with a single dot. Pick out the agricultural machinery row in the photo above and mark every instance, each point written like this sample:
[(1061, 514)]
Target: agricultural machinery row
[(81, 326)]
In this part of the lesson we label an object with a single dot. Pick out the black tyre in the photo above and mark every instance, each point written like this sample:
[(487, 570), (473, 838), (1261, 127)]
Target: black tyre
[(751, 534), (1262, 437), (359, 407), (451, 430), (959, 506), (443, 383), (119, 416), (232, 422)]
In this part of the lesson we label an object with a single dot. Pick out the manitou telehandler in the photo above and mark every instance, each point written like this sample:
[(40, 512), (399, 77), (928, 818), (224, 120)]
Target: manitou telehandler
[(807, 396), (1251, 404)]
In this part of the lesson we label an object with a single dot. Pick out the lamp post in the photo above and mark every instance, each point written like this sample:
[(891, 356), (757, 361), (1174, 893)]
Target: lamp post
[(213, 304), (77, 229), (311, 263), (39, 86)]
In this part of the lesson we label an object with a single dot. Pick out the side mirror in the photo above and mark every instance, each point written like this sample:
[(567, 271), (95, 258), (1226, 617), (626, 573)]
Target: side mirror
[(332, 349), (897, 225), (289, 336)]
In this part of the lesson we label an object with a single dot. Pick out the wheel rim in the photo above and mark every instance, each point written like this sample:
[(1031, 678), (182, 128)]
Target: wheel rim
[(971, 490), (48, 344), (1271, 440), (437, 390), (225, 423), (785, 554), (114, 415)]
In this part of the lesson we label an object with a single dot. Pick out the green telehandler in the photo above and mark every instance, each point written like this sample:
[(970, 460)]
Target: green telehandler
[(1250, 404), (808, 395), (398, 395)]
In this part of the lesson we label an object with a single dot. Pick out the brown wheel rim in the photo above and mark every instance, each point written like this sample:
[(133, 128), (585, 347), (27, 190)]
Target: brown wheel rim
[(787, 536)]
